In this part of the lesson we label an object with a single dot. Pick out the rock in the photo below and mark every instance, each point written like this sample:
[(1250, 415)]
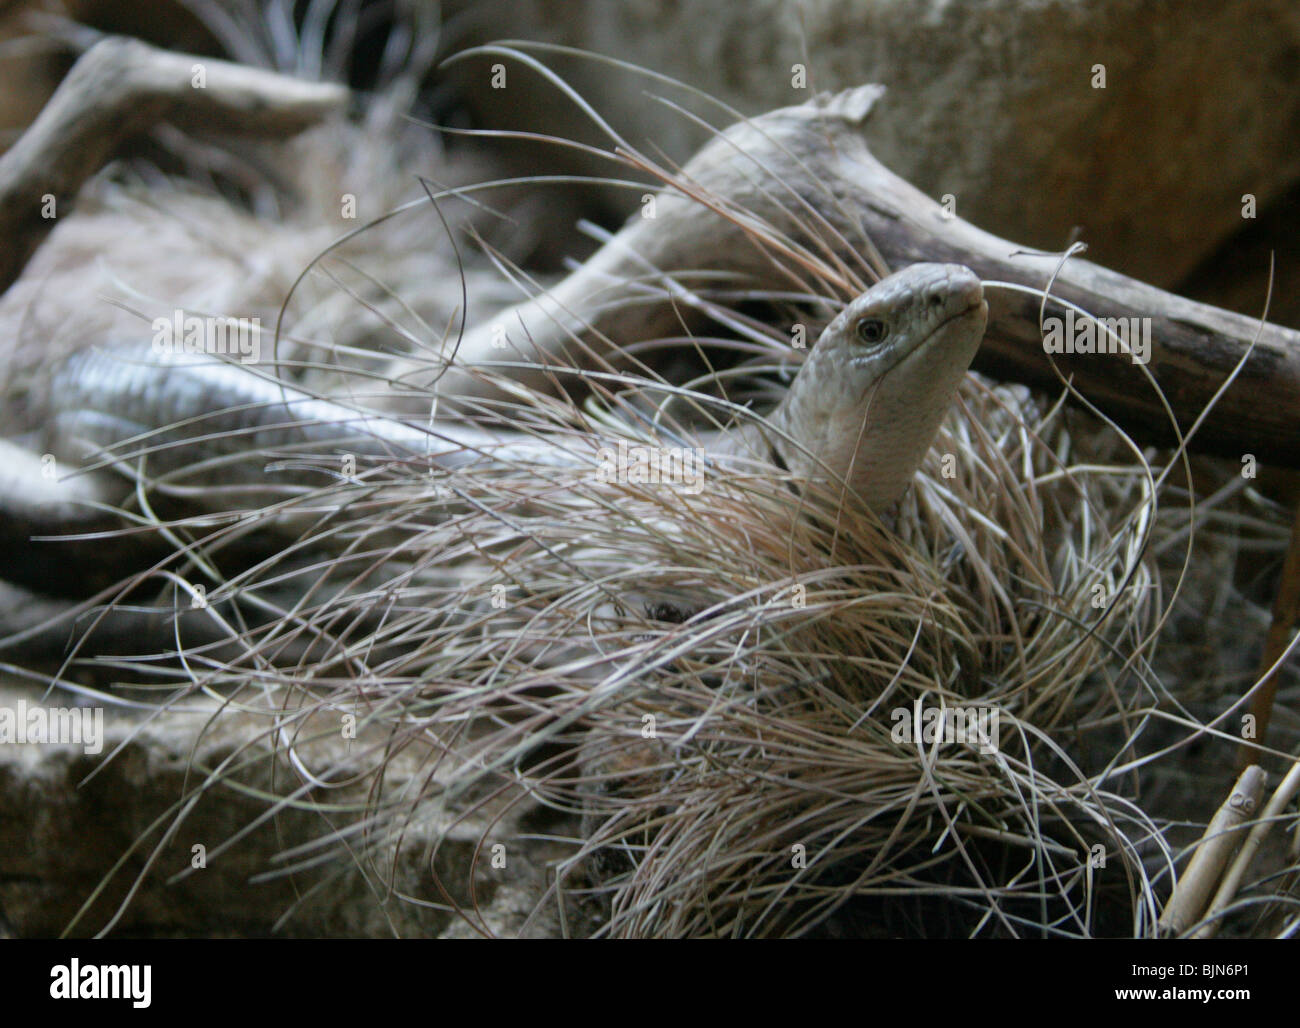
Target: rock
[(68, 817)]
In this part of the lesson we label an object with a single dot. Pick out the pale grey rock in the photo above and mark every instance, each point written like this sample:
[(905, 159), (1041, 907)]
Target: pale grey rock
[(62, 830)]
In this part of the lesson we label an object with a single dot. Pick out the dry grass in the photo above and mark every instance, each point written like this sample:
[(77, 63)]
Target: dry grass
[(709, 684)]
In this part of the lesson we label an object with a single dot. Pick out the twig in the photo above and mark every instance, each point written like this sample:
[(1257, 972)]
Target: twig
[(1232, 880), (118, 88), (1286, 610), (1217, 845)]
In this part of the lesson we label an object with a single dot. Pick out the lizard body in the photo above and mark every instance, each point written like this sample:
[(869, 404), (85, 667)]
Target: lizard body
[(862, 410)]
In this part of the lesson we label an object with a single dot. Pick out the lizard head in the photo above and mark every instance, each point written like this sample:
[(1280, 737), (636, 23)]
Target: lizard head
[(865, 406)]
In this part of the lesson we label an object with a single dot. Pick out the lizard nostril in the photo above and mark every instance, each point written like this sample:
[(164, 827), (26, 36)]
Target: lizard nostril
[(936, 299)]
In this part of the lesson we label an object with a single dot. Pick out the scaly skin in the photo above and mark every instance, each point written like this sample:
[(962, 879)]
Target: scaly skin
[(858, 412), (864, 415), (184, 410), (861, 416)]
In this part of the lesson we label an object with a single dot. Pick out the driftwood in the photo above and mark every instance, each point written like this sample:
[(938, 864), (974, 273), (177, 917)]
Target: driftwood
[(118, 88), (806, 174)]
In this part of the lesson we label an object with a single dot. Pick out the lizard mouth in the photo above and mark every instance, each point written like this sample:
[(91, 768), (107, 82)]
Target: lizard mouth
[(980, 304)]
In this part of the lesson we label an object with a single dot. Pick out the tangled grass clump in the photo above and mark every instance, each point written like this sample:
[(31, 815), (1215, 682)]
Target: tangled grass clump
[(718, 684), (777, 791)]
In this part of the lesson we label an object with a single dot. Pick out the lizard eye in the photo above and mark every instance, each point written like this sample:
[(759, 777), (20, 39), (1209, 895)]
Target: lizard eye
[(872, 331)]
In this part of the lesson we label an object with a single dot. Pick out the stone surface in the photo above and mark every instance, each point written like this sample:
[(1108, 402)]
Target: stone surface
[(67, 818)]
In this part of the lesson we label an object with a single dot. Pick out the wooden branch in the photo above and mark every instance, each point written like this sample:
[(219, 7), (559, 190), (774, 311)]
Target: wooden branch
[(1232, 879), (806, 173), (1286, 611), (1223, 837), (118, 88)]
